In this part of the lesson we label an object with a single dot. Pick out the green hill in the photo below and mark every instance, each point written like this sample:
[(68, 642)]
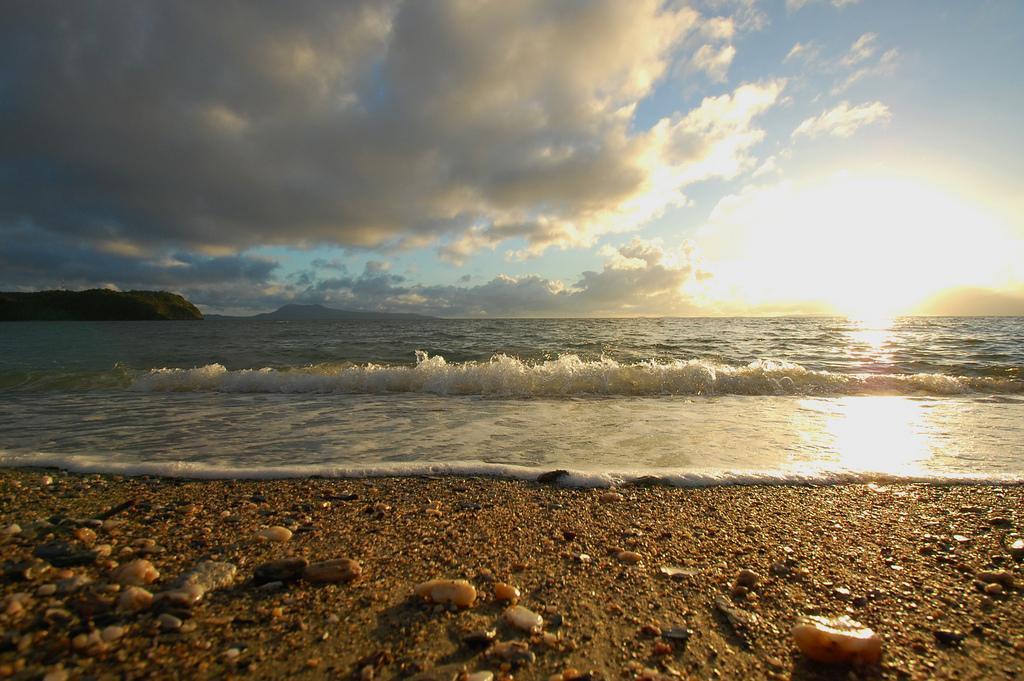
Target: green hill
[(95, 305)]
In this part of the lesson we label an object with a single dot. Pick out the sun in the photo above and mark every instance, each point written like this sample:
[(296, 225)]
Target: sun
[(865, 247)]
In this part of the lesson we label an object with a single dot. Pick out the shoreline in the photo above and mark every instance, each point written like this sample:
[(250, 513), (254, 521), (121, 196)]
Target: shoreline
[(903, 559)]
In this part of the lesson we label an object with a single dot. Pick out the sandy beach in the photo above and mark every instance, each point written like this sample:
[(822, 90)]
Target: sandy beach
[(931, 569)]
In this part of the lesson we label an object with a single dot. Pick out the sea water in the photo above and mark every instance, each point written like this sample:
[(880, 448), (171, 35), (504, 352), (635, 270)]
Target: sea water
[(695, 401)]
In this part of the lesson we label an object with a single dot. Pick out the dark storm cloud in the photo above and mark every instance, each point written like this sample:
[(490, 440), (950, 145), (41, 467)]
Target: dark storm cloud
[(213, 126)]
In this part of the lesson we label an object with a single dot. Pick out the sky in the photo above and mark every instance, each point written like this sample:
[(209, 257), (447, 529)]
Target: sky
[(535, 158)]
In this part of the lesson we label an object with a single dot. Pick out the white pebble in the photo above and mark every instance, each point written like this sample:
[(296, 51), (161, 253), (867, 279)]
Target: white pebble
[(522, 618), (275, 533)]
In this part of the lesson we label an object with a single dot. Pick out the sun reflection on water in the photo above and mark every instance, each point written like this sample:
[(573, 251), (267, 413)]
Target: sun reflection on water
[(883, 434)]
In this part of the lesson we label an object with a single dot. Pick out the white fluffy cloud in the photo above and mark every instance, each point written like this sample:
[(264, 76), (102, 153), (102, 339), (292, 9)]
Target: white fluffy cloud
[(843, 120)]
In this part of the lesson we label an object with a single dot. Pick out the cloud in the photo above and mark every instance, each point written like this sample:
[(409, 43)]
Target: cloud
[(974, 301), (638, 278), (795, 5), (843, 120), (862, 49), (806, 52), (713, 61), (220, 127)]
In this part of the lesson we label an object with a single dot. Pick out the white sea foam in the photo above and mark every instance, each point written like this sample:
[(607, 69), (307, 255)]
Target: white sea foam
[(571, 478), (566, 376)]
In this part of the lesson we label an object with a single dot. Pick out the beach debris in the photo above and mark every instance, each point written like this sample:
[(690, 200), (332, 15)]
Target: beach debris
[(676, 634), (63, 554), (457, 592), (506, 592), (631, 557), (480, 639), (610, 497), (138, 572), (837, 640), (190, 588), (282, 570), (515, 652), (676, 571), (134, 599), (741, 621), (522, 618), (274, 533), (330, 571), (1002, 577), (552, 477)]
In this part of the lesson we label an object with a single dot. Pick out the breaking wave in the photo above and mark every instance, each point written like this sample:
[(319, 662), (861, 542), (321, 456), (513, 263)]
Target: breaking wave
[(567, 376)]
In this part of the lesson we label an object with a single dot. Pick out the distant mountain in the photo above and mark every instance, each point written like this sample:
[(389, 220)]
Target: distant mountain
[(95, 305), (302, 313)]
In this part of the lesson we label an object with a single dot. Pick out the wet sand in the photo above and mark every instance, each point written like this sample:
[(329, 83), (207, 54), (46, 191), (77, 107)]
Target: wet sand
[(905, 560)]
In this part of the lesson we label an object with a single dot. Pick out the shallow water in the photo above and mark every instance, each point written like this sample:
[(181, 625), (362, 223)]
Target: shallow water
[(700, 401)]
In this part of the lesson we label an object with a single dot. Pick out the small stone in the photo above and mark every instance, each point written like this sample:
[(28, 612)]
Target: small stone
[(676, 572), (111, 633), (610, 497), (190, 588), (479, 676), (650, 629), (738, 591), (506, 592), (1000, 521), (63, 554), (46, 480), (85, 535), (134, 599), (329, 571), (676, 634), (135, 573), (1003, 577), (1016, 549), (46, 590), (168, 622), (515, 652), (747, 578), (480, 639), (283, 570), (631, 557), (948, 637), (994, 589), (274, 533), (11, 530), (522, 618), (582, 558), (457, 592), (837, 639), (661, 648), (57, 674), (841, 592)]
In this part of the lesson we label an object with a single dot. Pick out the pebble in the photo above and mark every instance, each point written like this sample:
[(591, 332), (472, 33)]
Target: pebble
[(747, 578), (63, 554), (676, 572), (134, 599), (948, 637), (505, 592), (522, 618), (837, 639), (207, 576), (1000, 521), (329, 571), (994, 589), (85, 535), (457, 592), (283, 570), (610, 497), (275, 533), (135, 573), (516, 652), (1003, 577), (480, 639), (631, 557), (11, 530), (111, 633), (479, 676), (676, 634), (56, 675), (46, 590), (168, 622)]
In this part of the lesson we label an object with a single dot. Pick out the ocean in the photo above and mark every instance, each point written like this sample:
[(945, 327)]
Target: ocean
[(693, 401)]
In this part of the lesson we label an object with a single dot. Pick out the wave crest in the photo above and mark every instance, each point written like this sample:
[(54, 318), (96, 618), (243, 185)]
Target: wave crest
[(566, 376)]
